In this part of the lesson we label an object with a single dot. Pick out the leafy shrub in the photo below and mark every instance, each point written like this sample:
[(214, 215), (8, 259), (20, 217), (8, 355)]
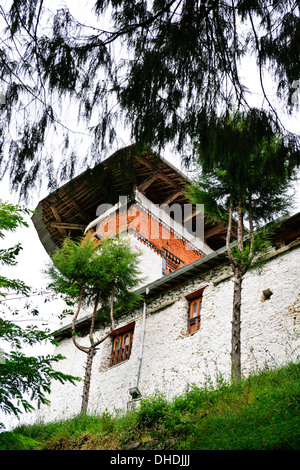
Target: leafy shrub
[(152, 409)]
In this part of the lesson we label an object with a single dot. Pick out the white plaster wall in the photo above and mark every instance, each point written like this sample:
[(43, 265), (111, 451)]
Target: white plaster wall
[(151, 263), (173, 360), (271, 328)]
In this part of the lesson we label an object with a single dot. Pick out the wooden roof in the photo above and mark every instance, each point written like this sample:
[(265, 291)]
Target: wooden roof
[(69, 209)]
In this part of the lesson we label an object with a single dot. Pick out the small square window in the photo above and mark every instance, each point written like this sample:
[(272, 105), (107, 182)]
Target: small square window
[(121, 347)]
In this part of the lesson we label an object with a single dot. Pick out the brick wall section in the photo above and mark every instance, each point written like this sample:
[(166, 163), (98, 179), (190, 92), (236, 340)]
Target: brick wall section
[(150, 231)]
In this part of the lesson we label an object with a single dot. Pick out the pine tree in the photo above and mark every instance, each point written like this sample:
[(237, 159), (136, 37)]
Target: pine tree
[(99, 276), (175, 59), (247, 170)]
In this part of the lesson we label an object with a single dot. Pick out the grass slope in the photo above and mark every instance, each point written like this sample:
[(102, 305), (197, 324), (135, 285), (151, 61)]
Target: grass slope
[(261, 412)]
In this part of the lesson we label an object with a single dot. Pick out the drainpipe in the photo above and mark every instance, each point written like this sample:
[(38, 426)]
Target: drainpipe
[(134, 391)]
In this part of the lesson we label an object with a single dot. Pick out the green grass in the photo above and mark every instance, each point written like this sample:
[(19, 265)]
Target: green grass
[(258, 413)]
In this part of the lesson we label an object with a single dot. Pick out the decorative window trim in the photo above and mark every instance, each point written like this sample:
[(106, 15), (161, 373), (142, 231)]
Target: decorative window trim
[(122, 339), (194, 312)]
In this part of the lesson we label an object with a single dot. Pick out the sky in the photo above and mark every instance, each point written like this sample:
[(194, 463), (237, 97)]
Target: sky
[(33, 258)]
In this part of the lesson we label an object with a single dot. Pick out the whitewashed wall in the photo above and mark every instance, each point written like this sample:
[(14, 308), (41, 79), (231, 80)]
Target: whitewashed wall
[(173, 360), (148, 258)]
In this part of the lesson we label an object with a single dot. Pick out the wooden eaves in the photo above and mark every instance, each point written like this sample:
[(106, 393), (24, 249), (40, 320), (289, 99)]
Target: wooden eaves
[(69, 209)]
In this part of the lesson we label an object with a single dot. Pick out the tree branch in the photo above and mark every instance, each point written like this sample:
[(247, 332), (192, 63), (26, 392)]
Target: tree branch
[(260, 69), (251, 232), (78, 346), (102, 339), (93, 318), (142, 24), (240, 223)]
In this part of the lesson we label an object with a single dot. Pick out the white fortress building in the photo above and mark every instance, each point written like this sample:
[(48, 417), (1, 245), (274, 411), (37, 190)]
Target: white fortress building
[(180, 335)]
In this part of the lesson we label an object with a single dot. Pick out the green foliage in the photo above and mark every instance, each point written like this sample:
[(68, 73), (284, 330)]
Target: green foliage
[(246, 170), (152, 410), (244, 154), (257, 413), (9, 441), (72, 268), (184, 59), (24, 380), (94, 267), (11, 217)]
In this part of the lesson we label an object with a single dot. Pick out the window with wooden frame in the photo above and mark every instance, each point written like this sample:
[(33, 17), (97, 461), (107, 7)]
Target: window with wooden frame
[(194, 314), (122, 344)]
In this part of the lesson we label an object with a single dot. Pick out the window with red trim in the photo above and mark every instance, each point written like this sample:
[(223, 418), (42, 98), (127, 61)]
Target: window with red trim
[(195, 315), (121, 348), (195, 304)]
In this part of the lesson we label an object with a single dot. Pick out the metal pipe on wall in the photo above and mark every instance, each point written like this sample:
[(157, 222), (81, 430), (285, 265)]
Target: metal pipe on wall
[(134, 391)]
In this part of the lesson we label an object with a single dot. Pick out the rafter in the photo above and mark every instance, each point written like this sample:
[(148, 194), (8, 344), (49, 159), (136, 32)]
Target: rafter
[(67, 225), (172, 197), (213, 231), (142, 187), (161, 175), (58, 219), (81, 212)]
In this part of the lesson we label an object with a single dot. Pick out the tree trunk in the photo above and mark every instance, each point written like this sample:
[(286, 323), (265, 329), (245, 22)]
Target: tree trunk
[(91, 351), (89, 362), (238, 271), (81, 348), (236, 325), (87, 380)]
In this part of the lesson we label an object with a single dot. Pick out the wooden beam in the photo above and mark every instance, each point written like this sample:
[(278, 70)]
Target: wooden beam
[(82, 214), (165, 178), (58, 219), (142, 188), (66, 225), (291, 234), (214, 231), (172, 197)]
